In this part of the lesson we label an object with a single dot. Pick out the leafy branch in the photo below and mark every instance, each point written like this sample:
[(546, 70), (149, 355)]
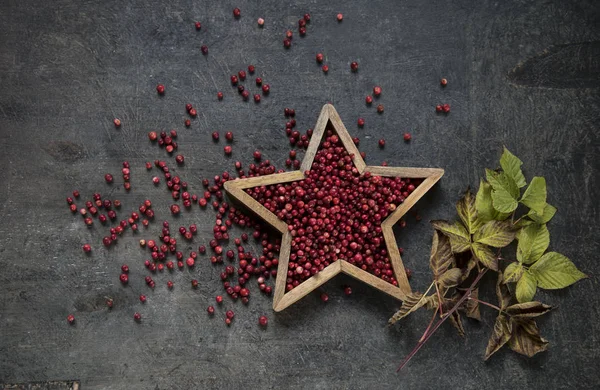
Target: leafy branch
[(472, 246)]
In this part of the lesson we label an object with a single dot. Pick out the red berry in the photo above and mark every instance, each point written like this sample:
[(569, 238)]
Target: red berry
[(361, 122), (125, 268), (251, 69), (220, 95), (219, 299), (234, 79), (369, 99), (229, 136), (194, 283), (257, 155), (438, 108), (443, 82), (446, 108), (407, 137), (256, 98), (193, 113), (175, 209), (137, 316), (215, 135), (347, 291), (87, 248), (71, 319), (190, 262), (236, 13), (319, 58), (109, 303), (230, 314), (169, 285), (242, 75), (108, 177), (210, 310), (227, 150), (324, 297), (152, 136), (204, 49), (143, 298), (354, 66), (160, 89), (187, 123), (261, 22), (263, 321), (124, 278), (266, 89), (117, 122), (340, 17), (376, 90), (380, 108), (307, 17), (198, 25), (179, 159), (325, 68), (381, 143), (287, 43)]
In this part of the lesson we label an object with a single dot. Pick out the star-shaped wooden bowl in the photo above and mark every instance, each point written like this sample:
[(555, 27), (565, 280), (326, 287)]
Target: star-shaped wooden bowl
[(329, 119)]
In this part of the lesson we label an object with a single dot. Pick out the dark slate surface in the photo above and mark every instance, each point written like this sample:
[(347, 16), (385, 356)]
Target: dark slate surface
[(522, 73)]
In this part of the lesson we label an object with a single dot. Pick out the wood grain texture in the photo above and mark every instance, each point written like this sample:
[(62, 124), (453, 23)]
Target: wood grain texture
[(68, 68)]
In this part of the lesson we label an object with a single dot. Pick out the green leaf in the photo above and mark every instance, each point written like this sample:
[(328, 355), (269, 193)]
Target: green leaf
[(535, 195), (528, 309), (460, 239), (500, 336), (411, 303), (533, 242), (485, 255), (526, 287), (441, 254), (451, 278), (495, 233), (553, 271), (526, 338), (513, 272), (512, 166), (483, 204), (545, 217), (467, 212), (504, 191)]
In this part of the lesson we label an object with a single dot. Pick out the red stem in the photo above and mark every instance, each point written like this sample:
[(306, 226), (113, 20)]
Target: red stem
[(426, 335)]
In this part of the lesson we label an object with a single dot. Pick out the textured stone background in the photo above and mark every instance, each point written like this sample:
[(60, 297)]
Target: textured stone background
[(521, 73)]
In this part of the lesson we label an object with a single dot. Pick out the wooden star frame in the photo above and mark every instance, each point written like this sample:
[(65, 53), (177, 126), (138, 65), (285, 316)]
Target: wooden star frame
[(329, 119)]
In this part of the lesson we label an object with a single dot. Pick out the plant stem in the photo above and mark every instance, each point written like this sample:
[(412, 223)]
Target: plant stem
[(485, 303), (441, 310), (429, 326), (428, 333)]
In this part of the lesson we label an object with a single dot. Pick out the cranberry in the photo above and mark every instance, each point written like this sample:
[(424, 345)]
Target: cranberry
[(175, 209), (215, 135), (124, 278), (230, 314), (198, 25), (380, 108), (324, 297), (266, 89), (117, 122), (193, 114), (446, 108), (143, 298), (325, 68), (204, 49), (187, 123), (137, 316), (179, 159), (234, 79), (438, 108), (71, 319), (190, 262), (169, 285), (307, 17), (263, 321), (108, 177), (210, 310), (443, 82), (381, 143), (354, 66), (125, 268), (220, 95), (407, 137), (287, 43), (261, 22), (236, 13), (361, 122), (258, 81), (376, 91), (227, 150), (256, 98), (152, 136), (87, 248), (340, 17), (194, 283), (369, 99), (348, 291), (242, 75), (302, 30), (109, 303), (160, 89), (257, 155), (219, 299), (319, 58)]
